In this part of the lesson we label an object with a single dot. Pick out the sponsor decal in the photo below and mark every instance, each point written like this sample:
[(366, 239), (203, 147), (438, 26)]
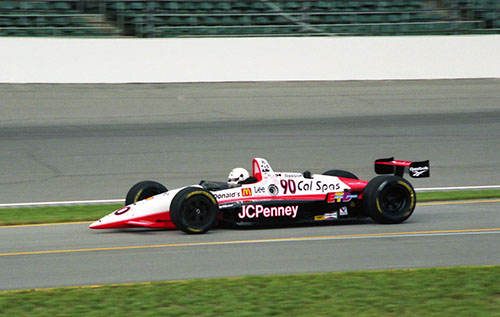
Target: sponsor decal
[(327, 216), (258, 211), (121, 211), (288, 186), (291, 186), (259, 190), (290, 175), (245, 192), (273, 190), (317, 185), (227, 195), (343, 211), (418, 171), (228, 205), (338, 197), (265, 168), (305, 185), (332, 215), (326, 187)]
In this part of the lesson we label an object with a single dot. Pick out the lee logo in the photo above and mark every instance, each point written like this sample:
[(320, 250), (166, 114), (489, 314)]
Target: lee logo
[(245, 192), (259, 190)]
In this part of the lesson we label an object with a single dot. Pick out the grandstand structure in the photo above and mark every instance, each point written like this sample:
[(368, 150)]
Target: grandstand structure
[(245, 18)]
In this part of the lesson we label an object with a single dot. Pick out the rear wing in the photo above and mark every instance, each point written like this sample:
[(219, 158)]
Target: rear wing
[(392, 166)]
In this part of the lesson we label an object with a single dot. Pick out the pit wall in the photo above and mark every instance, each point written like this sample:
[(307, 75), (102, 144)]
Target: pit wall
[(60, 60)]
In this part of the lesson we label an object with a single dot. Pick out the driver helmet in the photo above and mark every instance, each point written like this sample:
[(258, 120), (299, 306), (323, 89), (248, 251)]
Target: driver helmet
[(237, 175)]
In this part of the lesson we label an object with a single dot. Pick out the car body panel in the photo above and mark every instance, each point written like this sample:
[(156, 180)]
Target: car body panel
[(274, 197)]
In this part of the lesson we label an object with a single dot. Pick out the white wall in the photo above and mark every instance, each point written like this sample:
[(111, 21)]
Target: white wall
[(59, 60)]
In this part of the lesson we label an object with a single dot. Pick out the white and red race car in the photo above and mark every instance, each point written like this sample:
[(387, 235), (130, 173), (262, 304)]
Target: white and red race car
[(268, 197)]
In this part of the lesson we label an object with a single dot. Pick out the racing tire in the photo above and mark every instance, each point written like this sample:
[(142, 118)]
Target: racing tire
[(143, 190), (389, 199), (194, 210), (340, 173)]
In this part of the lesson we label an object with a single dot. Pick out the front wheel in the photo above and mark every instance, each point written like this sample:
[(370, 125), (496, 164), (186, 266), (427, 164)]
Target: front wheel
[(389, 199), (143, 190), (194, 210)]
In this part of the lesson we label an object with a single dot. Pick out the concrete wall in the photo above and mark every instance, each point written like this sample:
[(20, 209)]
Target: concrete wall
[(59, 60)]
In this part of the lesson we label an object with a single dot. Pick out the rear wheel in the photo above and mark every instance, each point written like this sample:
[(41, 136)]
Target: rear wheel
[(340, 173), (194, 210), (143, 190), (389, 199)]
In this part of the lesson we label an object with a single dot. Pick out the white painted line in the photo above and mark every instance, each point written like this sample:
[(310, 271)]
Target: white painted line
[(120, 201), (65, 203), (456, 188)]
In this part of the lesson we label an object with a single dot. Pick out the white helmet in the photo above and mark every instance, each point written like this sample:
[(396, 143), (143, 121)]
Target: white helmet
[(237, 175)]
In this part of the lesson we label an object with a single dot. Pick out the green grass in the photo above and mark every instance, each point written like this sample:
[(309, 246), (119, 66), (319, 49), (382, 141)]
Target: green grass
[(458, 195), (34, 215), (463, 291)]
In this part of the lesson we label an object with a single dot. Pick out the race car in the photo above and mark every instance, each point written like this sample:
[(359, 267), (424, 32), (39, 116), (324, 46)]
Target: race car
[(268, 197)]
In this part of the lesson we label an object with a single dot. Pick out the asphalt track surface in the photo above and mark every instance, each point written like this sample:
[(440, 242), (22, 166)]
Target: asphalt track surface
[(78, 142), (81, 142), (70, 254)]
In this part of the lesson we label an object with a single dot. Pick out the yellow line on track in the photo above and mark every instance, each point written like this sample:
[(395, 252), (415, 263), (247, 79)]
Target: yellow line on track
[(212, 243), (48, 289)]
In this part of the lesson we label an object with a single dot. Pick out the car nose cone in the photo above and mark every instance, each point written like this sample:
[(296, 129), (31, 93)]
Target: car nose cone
[(99, 224), (95, 224)]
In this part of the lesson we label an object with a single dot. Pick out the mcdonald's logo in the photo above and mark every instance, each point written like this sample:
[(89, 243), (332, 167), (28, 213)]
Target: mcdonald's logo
[(246, 192)]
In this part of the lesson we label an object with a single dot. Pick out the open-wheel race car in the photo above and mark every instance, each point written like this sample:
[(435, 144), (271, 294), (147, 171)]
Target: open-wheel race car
[(268, 197)]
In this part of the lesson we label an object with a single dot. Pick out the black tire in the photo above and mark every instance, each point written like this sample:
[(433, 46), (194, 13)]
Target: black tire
[(340, 173), (194, 210), (389, 199), (143, 190)]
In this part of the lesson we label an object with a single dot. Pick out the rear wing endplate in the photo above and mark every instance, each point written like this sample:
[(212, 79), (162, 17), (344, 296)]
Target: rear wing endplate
[(392, 166)]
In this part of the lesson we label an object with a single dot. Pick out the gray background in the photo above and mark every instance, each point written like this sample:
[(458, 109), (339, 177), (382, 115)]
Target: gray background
[(65, 142), (79, 142)]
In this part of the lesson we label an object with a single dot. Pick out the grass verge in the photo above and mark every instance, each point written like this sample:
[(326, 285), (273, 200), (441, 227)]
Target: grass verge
[(458, 195), (35, 215), (462, 291)]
